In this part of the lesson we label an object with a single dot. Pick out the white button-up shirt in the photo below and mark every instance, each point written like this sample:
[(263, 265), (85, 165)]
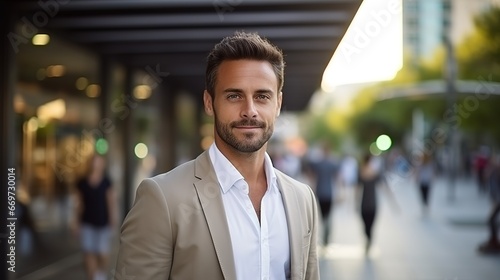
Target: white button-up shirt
[(260, 250)]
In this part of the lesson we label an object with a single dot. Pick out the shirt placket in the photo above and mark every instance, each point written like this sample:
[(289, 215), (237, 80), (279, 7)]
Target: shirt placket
[(261, 229), (264, 239)]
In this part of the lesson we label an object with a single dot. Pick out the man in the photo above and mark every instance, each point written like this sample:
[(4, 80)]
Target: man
[(228, 214), (325, 170)]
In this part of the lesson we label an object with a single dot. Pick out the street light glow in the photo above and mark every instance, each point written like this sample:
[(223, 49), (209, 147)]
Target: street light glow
[(384, 142)]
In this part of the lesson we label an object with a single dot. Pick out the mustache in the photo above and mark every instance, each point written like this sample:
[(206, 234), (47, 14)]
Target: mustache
[(248, 123)]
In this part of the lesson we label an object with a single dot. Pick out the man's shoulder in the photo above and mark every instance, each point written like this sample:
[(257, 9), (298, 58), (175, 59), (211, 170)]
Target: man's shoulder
[(175, 186), (183, 176), (179, 174)]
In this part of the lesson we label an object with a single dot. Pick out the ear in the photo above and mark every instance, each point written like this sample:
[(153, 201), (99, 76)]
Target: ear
[(280, 99), (208, 103)]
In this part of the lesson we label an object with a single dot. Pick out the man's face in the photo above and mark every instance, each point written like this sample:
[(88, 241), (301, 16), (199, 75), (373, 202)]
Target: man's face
[(245, 105)]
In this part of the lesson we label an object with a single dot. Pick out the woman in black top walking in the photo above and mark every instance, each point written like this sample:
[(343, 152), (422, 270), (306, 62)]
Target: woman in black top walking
[(95, 218), (369, 179)]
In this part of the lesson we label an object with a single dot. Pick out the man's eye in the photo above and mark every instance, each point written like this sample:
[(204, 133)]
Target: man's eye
[(233, 96), (263, 96)]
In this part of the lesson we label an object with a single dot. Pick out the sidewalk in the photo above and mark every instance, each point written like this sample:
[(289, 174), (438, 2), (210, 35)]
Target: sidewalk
[(62, 262), (409, 245)]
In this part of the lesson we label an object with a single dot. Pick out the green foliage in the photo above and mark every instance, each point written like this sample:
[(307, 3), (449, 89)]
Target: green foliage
[(317, 129), (420, 70), (479, 53), (483, 120), (488, 25), (478, 58)]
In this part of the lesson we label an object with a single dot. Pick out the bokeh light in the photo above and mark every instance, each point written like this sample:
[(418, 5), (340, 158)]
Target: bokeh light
[(40, 39), (101, 146), (384, 142), (81, 83), (141, 150), (374, 150)]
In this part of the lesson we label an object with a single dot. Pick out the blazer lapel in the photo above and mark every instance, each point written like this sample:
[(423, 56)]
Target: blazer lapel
[(294, 226), (209, 194)]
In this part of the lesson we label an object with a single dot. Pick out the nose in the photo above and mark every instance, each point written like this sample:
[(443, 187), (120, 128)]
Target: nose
[(249, 109)]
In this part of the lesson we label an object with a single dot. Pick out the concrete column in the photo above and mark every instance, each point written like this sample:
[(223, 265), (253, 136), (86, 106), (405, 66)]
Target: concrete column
[(8, 142), (106, 82), (200, 112), (128, 149), (167, 131)]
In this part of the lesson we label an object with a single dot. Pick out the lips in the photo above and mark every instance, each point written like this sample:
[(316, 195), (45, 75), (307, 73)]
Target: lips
[(248, 124), (247, 127)]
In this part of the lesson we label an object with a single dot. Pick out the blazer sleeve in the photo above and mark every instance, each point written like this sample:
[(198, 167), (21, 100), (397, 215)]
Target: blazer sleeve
[(312, 269), (146, 240)]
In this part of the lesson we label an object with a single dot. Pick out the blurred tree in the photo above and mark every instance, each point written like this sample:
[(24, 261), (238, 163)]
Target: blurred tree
[(479, 54), (478, 58), (316, 128)]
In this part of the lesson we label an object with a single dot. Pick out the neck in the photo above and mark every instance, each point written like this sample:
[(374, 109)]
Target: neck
[(95, 176), (250, 165)]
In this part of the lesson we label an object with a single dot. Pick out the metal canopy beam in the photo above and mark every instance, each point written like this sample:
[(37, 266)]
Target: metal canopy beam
[(205, 19), (178, 34)]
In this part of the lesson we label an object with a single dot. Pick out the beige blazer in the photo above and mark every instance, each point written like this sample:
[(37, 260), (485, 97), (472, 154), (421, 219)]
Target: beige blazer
[(177, 228)]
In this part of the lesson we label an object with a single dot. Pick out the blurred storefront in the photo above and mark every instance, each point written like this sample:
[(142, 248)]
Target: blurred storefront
[(70, 104)]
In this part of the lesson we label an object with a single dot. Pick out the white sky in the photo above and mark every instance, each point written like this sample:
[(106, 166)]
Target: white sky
[(372, 48)]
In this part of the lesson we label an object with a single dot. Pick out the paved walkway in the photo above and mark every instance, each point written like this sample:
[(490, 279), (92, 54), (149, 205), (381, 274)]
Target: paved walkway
[(407, 245)]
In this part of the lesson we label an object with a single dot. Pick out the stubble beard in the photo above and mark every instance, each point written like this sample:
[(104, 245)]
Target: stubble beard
[(251, 142)]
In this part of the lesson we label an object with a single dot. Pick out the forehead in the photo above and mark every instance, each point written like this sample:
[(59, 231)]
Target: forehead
[(246, 70)]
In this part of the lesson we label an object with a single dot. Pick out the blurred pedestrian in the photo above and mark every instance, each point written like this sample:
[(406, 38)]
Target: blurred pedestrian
[(349, 171), (228, 214), (324, 170), (481, 164), (370, 178), (348, 175), (285, 161), (95, 218), (424, 176), (492, 245), (29, 239)]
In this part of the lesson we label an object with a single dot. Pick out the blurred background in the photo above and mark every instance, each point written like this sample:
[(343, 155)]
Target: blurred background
[(401, 80)]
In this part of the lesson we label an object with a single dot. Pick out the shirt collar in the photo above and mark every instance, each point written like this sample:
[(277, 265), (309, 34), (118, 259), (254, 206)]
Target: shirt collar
[(228, 176)]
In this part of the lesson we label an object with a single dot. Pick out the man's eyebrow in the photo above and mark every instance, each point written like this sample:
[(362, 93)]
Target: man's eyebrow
[(233, 90), (264, 91)]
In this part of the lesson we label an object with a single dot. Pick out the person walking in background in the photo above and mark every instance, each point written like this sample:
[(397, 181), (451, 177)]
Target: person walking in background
[(324, 172), (285, 161), (369, 179), (481, 165), (492, 245), (348, 176), (95, 218), (29, 239), (424, 176), (228, 214)]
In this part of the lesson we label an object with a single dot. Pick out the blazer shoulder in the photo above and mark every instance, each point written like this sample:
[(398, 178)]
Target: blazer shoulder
[(182, 174), (187, 173), (178, 184)]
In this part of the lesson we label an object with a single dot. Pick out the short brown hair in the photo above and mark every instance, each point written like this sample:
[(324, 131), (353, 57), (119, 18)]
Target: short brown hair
[(243, 46)]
